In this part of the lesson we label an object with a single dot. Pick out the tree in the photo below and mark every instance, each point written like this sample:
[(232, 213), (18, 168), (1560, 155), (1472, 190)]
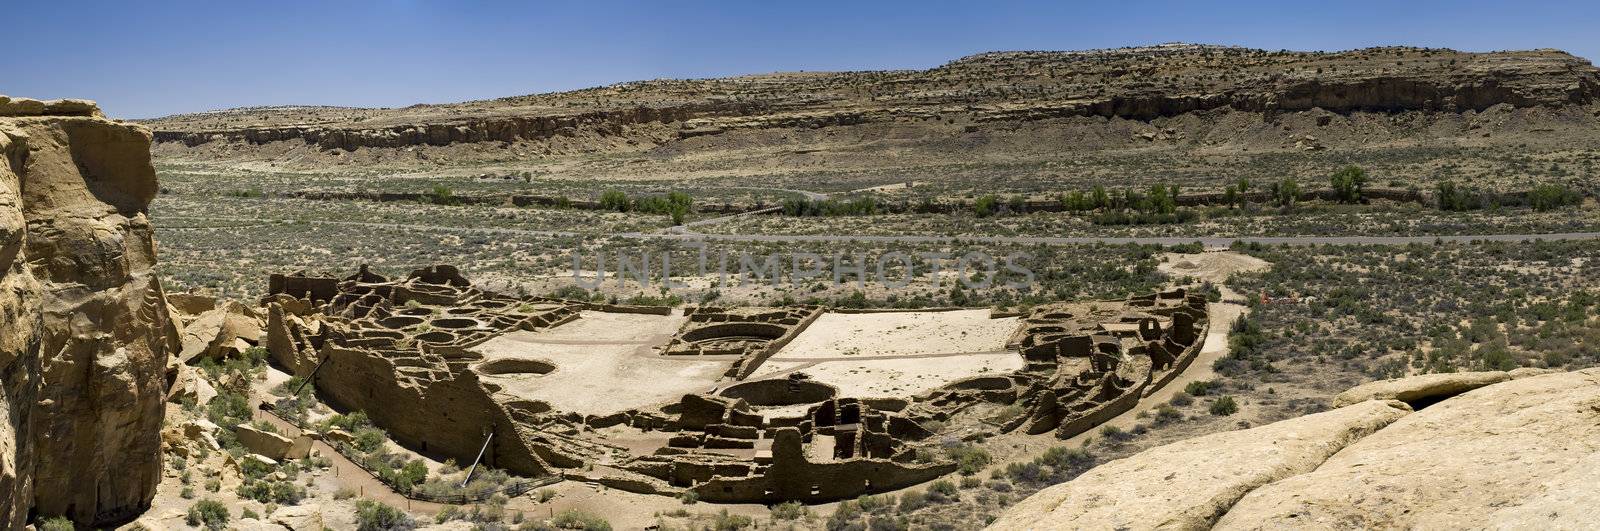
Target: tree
[(985, 206), (1230, 195), (1455, 198), (1347, 184), (1101, 198), (614, 200), (1552, 196), (1287, 192)]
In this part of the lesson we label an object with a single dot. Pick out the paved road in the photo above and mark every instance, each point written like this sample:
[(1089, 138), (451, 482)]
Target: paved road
[(1210, 241)]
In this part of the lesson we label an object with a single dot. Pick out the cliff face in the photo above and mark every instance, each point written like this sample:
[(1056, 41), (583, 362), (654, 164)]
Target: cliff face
[(86, 336), (1137, 84)]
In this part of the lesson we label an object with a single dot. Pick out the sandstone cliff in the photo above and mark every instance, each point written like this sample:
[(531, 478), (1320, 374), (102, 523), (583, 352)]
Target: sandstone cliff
[(1135, 83), (86, 335)]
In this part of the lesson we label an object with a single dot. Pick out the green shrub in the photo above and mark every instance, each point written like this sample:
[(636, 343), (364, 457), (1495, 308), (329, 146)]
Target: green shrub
[(575, 519), (913, 500), (614, 200), (56, 523), (972, 459), (1224, 406), (377, 516), (209, 513), (986, 206), (731, 522), (789, 511), (1552, 196), (1347, 184)]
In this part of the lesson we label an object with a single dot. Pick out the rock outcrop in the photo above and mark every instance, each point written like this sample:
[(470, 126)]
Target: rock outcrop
[(1519, 453), (1178, 490), (1420, 390), (1133, 83), (86, 333)]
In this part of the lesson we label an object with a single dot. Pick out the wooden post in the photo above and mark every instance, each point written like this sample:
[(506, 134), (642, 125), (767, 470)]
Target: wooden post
[(479, 459)]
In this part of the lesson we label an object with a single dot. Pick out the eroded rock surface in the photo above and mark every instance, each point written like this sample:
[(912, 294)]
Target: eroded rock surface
[(86, 332), (1522, 453), (1421, 389), (1187, 485)]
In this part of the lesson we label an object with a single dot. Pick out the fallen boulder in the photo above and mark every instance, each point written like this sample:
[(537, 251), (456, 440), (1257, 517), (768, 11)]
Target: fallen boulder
[(272, 445)]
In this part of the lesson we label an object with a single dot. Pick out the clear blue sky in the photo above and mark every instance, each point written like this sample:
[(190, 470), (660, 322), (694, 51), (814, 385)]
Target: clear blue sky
[(151, 58)]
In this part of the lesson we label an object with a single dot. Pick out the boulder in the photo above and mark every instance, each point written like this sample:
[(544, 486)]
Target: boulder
[(1188, 484), (189, 385), (227, 330), (1522, 454), (264, 442), (1419, 390), (298, 517), (192, 305)]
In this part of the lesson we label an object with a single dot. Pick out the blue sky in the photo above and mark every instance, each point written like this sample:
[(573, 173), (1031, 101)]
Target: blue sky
[(150, 58)]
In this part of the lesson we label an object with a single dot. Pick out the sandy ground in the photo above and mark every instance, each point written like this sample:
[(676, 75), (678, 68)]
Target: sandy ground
[(605, 363), (840, 335), (897, 354), (1214, 266)]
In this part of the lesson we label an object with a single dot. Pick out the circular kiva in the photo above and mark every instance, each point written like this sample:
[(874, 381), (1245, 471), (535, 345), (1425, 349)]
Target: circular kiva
[(454, 323), (781, 392), (436, 336), (400, 321), (736, 332), (501, 366)]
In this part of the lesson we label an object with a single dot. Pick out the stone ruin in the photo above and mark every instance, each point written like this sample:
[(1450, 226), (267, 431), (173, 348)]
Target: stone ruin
[(402, 351)]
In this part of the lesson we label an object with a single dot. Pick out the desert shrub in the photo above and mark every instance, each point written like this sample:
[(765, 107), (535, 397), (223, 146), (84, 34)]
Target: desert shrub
[(789, 511), (442, 195), (1182, 398), (689, 497), (377, 516), (913, 500), (971, 459), (1113, 434), (723, 521), (56, 523), (1166, 413), (844, 517), (1224, 406), (872, 504), (575, 519), (614, 200), (1453, 197), (207, 513), (943, 491)]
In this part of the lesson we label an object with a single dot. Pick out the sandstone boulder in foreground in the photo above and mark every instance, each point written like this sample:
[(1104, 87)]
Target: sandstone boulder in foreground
[(1424, 388), (84, 329), (1188, 484), (1524, 454)]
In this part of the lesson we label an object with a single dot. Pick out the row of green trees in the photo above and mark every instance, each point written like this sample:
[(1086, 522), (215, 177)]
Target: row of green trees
[(676, 204), (1544, 197)]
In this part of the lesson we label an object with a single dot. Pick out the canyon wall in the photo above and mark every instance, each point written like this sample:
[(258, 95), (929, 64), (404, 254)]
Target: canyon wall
[(85, 336), (1135, 84)]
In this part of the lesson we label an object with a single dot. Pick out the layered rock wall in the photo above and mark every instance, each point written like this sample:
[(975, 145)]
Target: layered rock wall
[(86, 334)]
